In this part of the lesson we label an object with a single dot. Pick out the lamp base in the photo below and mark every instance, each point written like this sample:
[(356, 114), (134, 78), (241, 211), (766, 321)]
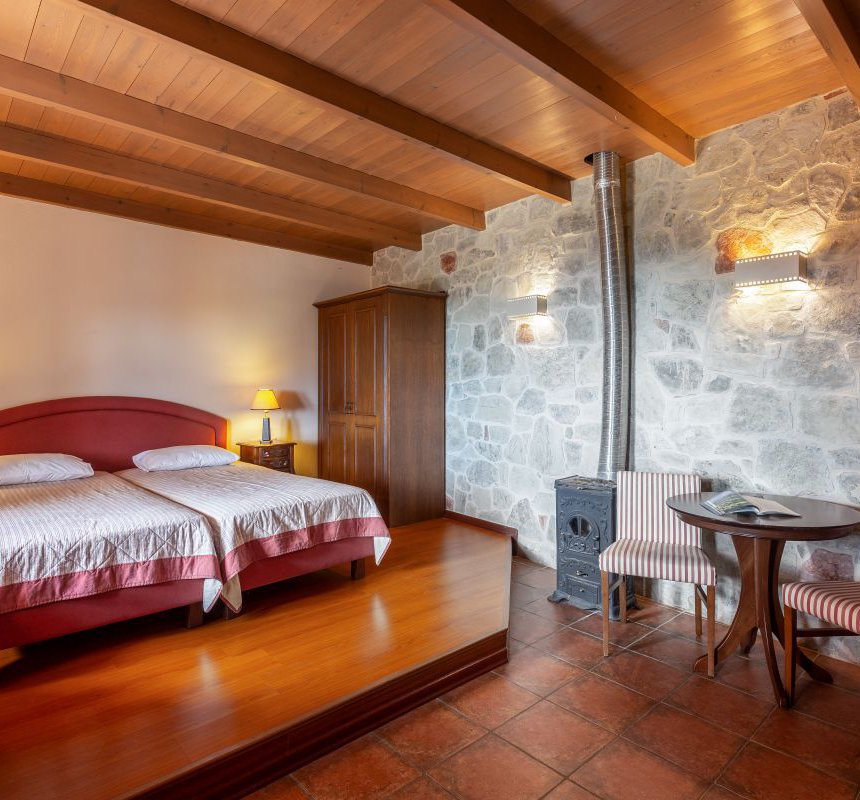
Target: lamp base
[(266, 438)]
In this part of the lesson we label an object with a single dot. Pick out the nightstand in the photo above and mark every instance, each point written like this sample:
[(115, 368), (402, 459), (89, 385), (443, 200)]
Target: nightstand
[(277, 455)]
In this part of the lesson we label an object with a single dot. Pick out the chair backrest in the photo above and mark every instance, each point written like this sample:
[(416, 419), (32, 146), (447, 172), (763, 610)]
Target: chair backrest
[(642, 510)]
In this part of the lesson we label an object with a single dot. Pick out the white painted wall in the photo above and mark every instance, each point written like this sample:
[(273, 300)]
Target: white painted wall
[(92, 305)]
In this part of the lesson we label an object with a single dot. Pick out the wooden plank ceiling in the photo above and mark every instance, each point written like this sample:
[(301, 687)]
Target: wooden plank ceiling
[(339, 127)]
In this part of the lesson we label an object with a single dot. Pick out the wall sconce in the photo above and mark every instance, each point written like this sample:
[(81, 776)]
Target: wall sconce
[(530, 306), (777, 268)]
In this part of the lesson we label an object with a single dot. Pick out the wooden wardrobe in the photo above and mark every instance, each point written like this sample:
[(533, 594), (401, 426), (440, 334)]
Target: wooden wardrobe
[(382, 398)]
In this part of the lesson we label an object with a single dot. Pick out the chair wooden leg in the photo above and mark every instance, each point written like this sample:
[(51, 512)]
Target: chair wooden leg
[(622, 599), (697, 605), (356, 569), (712, 627), (790, 653), (604, 587)]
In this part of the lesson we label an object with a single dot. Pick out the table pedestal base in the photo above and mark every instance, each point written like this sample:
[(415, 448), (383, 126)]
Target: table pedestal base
[(759, 610)]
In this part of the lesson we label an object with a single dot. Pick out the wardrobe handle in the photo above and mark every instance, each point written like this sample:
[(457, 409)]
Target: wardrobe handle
[(350, 407)]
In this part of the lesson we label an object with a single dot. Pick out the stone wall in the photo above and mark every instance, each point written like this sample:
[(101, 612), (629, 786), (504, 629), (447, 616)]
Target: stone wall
[(750, 390)]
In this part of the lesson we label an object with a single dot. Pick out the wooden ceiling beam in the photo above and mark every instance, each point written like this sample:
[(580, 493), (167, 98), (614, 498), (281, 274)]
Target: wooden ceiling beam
[(840, 39), (70, 197), (183, 26), (29, 82), (106, 164), (535, 48)]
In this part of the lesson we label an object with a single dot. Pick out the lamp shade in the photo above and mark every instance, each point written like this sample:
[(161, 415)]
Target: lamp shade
[(264, 400)]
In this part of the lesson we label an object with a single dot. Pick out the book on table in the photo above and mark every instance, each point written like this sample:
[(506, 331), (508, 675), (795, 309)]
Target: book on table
[(730, 502)]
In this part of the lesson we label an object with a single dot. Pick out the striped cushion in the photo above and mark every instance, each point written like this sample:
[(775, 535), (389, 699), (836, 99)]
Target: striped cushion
[(836, 602), (661, 560), (642, 510)]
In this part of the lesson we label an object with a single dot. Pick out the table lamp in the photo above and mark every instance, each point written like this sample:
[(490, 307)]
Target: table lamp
[(265, 401)]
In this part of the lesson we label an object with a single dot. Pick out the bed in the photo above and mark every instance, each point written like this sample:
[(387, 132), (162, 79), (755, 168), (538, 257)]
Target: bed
[(272, 525), (106, 432), (66, 546)]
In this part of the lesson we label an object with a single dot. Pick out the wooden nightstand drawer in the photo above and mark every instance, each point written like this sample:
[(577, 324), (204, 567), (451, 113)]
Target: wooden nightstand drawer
[(277, 455), (276, 463)]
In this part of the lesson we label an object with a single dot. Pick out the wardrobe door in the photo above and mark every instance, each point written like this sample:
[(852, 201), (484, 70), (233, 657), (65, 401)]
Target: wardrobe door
[(367, 397), (335, 419)]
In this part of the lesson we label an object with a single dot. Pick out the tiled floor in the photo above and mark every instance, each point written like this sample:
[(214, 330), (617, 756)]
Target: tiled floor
[(561, 722)]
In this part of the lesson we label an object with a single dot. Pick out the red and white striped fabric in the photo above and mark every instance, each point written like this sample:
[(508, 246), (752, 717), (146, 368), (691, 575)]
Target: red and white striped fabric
[(664, 561), (642, 510), (652, 542), (836, 602)]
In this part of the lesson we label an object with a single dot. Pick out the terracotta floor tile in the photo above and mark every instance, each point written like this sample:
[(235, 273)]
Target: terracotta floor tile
[(519, 570), (522, 595), (720, 704), (845, 675), (492, 769), (833, 705), (619, 633), (718, 793), (621, 771), (540, 579), (685, 625), (430, 734), (283, 789), (685, 740), (613, 706), (747, 674), (767, 775), (363, 770), (556, 737), (565, 613), (571, 645), (816, 743), (529, 628), (422, 789), (570, 791), (650, 613), (670, 649), (490, 700), (537, 671), (645, 675)]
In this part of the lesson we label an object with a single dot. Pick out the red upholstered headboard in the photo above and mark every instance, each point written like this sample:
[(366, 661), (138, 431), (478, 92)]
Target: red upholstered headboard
[(106, 431)]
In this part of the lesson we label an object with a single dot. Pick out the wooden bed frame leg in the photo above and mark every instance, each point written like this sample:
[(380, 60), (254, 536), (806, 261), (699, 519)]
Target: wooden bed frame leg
[(193, 615), (356, 569), (228, 613)]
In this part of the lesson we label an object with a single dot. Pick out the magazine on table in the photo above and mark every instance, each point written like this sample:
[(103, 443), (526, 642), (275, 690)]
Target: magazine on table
[(730, 502)]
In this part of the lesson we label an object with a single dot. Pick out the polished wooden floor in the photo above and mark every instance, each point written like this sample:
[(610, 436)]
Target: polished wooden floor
[(127, 710)]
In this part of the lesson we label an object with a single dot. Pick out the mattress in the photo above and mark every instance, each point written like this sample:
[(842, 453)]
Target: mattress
[(76, 538), (258, 513)]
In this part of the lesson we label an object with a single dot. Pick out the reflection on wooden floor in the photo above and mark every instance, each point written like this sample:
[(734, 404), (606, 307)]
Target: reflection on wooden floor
[(147, 707)]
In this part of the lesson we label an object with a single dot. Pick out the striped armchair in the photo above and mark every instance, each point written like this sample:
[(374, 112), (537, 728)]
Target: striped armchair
[(835, 602), (653, 543)]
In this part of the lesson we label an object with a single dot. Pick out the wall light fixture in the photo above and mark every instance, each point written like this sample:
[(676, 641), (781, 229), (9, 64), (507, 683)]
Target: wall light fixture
[(529, 306), (777, 268)]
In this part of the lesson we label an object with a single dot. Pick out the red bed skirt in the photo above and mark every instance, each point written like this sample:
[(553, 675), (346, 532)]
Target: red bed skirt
[(69, 616)]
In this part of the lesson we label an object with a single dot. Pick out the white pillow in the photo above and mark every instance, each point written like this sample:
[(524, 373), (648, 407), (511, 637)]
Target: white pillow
[(183, 457), (42, 468)]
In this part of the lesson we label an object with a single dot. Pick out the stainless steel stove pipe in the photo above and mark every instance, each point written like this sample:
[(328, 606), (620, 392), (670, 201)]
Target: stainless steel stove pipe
[(616, 315)]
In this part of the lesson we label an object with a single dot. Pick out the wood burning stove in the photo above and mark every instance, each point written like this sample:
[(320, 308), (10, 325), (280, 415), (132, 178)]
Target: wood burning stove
[(585, 525)]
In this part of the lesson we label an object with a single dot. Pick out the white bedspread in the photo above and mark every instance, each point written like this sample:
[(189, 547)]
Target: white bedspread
[(258, 513), (76, 538)]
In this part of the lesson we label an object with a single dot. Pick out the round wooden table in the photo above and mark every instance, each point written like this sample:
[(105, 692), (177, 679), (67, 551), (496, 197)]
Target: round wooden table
[(759, 542)]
